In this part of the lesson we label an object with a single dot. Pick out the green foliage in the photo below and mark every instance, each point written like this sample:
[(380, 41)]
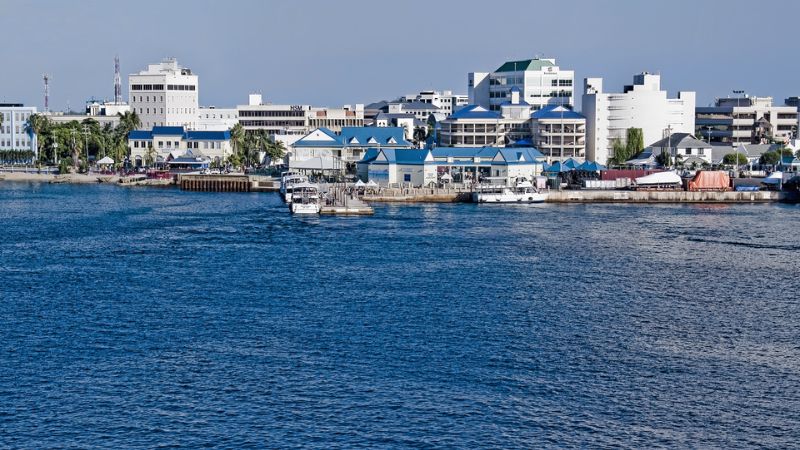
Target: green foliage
[(737, 158), (634, 143), (620, 152), (664, 159), (65, 166), (769, 158)]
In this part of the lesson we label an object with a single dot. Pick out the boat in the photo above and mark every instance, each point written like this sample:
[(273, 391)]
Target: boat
[(659, 181), (305, 199), (521, 192), (287, 183)]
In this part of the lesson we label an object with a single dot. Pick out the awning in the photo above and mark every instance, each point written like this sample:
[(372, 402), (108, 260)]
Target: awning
[(105, 160), (318, 163)]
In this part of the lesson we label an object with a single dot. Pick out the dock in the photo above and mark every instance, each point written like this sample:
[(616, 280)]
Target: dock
[(605, 196), (215, 183)]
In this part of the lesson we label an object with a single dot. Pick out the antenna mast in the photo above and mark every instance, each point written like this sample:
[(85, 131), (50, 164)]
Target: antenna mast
[(117, 82), (46, 79)]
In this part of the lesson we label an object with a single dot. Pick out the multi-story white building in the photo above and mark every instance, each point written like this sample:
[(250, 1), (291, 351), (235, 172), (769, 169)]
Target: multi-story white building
[(540, 81), (296, 119), (559, 133), (165, 94), (746, 120), (641, 105), (216, 119), (445, 101), (418, 109), (13, 129)]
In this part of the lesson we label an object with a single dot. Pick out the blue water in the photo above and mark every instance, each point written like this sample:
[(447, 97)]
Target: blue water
[(148, 318)]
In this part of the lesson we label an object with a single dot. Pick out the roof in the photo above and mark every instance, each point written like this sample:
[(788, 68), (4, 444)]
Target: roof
[(556, 112), (525, 64), (474, 112), (390, 116), (680, 140), (140, 134), (168, 131), (750, 150), (370, 155), (208, 135), (511, 155), (372, 136), (419, 105), (403, 156)]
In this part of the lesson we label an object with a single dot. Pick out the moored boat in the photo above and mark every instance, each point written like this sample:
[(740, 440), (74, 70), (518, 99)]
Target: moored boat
[(305, 199), (522, 192)]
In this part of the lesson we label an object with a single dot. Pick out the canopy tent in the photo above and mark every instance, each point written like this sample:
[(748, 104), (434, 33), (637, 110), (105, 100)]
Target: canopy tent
[(105, 161), (591, 166), (371, 183), (571, 163), (360, 183), (447, 177), (557, 167)]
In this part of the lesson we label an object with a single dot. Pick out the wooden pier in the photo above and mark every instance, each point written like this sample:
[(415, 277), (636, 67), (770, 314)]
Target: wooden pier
[(215, 183)]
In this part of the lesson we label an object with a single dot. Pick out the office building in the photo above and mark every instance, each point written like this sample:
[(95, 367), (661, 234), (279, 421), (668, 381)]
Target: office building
[(13, 129), (746, 120), (540, 81), (165, 94)]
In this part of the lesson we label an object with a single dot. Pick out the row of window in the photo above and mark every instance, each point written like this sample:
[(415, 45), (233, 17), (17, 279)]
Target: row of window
[(19, 143), (18, 116), (279, 113), (272, 123), (160, 87), (176, 144), (169, 111), (7, 129)]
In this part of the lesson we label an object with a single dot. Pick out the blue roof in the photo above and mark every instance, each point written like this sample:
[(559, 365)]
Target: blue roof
[(389, 136), (179, 131), (556, 112), (209, 135), (370, 155), (402, 156), (512, 155), (474, 112), (140, 134), (168, 131)]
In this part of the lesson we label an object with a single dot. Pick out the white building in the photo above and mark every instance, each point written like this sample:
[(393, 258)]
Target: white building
[(641, 105), (559, 133), (746, 120), (445, 101), (216, 119), (13, 130), (165, 94), (168, 143), (540, 81), (296, 119)]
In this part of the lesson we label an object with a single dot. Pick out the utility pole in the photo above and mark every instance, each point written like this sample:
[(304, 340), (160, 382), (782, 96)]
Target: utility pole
[(46, 79)]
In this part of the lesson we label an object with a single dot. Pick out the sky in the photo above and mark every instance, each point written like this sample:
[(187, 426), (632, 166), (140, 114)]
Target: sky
[(330, 53)]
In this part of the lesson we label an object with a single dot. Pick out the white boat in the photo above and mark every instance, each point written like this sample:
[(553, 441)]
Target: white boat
[(287, 185), (305, 199), (521, 192), (775, 178), (659, 180)]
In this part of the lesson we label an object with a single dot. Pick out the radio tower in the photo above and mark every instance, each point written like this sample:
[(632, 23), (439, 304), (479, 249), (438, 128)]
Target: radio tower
[(46, 78), (117, 82)]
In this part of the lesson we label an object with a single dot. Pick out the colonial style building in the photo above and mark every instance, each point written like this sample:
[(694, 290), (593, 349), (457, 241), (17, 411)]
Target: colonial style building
[(348, 145), (166, 143)]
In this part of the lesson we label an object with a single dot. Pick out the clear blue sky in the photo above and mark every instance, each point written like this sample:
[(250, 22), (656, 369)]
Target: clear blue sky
[(337, 52)]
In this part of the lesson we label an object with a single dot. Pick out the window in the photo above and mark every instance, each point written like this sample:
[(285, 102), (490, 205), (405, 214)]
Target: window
[(407, 177)]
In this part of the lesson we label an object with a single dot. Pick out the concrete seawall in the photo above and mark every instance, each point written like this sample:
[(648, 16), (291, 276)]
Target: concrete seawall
[(586, 196)]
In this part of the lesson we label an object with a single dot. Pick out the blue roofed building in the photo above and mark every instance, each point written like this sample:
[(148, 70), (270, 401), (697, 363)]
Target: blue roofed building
[(459, 164), (559, 133), (169, 143), (349, 145)]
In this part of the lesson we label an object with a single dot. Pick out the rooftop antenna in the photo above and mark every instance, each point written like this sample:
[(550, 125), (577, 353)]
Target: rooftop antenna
[(117, 82), (46, 79)]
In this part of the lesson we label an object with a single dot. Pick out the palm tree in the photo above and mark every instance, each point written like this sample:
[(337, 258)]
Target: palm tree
[(237, 139), (129, 121), (40, 126)]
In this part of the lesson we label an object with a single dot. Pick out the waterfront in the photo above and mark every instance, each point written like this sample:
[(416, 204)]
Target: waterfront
[(160, 317)]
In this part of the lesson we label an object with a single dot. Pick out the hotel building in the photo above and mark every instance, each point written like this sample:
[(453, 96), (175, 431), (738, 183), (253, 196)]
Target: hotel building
[(540, 81), (164, 94)]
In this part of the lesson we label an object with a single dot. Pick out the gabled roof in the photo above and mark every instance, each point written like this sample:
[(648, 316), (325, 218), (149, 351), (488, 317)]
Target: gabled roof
[(321, 137), (372, 136), (556, 112), (140, 134), (525, 64), (509, 155), (369, 155), (520, 155), (680, 140), (403, 156), (474, 112)]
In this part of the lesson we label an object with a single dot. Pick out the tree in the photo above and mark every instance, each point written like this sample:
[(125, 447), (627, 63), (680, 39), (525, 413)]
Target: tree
[(634, 143), (41, 127), (237, 138), (737, 158), (769, 158), (150, 156), (664, 159), (129, 121), (420, 135), (620, 152)]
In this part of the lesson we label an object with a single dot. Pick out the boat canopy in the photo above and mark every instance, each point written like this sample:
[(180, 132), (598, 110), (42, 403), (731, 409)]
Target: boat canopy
[(659, 178)]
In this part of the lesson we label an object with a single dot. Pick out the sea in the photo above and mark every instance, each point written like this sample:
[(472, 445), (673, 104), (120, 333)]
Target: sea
[(157, 318)]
